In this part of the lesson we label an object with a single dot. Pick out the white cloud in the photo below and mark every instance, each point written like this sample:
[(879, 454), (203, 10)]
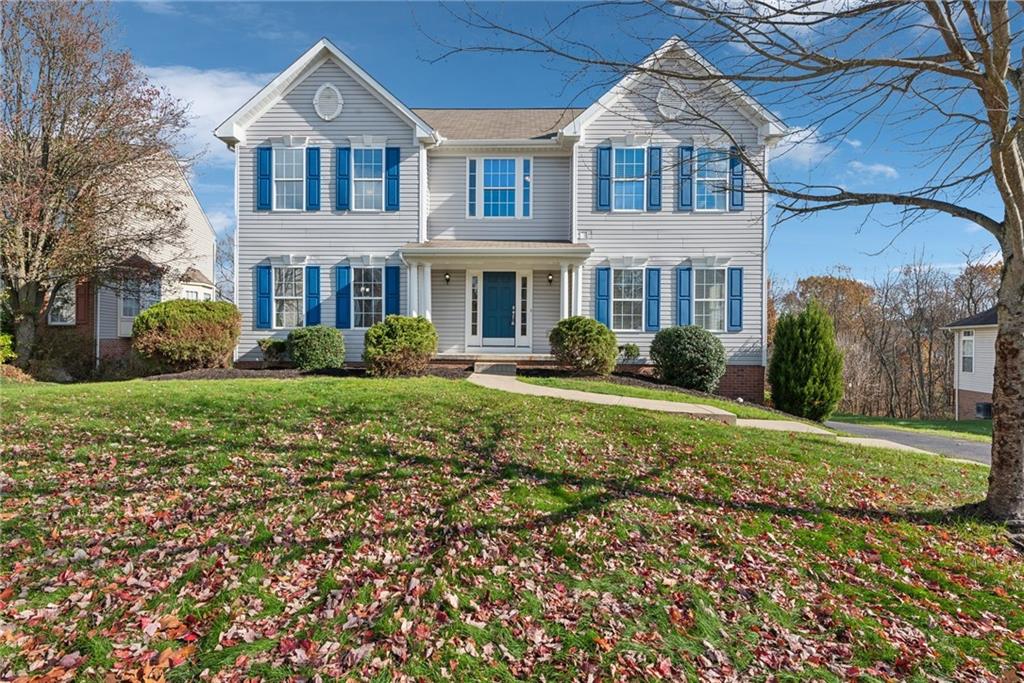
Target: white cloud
[(214, 94), (853, 142), (159, 7), (873, 171), (803, 147), (222, 221)]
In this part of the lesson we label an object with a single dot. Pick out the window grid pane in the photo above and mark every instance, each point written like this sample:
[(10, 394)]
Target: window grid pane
[(628, 299), (474, 305), (288, 293), (523, 299), (368, 179), (367, 296), (712, 179), (62, 310), (629, 173), (289, 163), (709, 299), (500, 188)]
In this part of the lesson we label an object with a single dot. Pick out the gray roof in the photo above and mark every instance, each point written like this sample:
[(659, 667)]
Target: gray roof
[(498, 124), (989, 317), (196, 277)]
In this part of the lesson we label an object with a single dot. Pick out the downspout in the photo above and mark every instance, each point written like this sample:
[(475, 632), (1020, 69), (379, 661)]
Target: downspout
[(96, 320), (764, 264), (956, 376)]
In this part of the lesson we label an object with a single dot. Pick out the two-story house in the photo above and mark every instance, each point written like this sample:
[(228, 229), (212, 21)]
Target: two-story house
[(496, 223)]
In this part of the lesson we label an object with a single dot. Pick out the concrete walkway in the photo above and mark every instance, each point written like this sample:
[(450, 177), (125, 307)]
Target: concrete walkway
[(933, 443), (502, 379)]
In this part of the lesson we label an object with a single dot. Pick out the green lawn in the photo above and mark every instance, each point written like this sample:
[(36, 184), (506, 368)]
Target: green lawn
[(973, 430), (372, 529), (600, 386)]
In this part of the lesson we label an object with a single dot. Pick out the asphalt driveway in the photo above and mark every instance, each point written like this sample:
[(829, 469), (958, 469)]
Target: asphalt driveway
[(956, 448)]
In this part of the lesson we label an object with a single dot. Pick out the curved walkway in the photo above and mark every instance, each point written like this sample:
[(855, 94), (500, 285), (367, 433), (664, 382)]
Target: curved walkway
[(944, 445)]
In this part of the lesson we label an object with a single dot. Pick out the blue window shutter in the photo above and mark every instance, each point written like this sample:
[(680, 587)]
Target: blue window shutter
[(312, 295), (685, 183), (736, 184), (653, 300), (342, 181), (604, 178), (392, 290), (654, 179), (684, 296), (735, 299), (392, 159), (263, 297), (343, 285), (602, 296), (264, 164), (471, 188), (312, 179)]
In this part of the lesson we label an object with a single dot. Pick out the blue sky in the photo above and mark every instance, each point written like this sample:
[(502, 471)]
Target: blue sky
[(216, 55)]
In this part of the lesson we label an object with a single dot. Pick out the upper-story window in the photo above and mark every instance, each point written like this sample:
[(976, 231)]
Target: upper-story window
[(967, 351), (288, 297), (368, 179), (62, 309), (499, 187), (712, 178), (628, 179), (709, 299), (628, 299), (289, 178)]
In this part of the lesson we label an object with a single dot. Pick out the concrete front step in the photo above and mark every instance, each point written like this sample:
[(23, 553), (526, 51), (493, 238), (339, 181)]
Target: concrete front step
[(489, 368)]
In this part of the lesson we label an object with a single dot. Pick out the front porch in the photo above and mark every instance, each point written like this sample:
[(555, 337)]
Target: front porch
[(494, 300)]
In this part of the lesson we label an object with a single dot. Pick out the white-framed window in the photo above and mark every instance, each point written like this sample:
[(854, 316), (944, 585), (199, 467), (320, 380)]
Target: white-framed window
[(499, 184), (474, 305), (709, 297), (62, 308), (628, 299), (367, 178), (367, 296), (712, 178), (967, 351), (289, 178), (500, 187), (191, 295), (289, 291), (629, 178), (207, 296), (137, 297)]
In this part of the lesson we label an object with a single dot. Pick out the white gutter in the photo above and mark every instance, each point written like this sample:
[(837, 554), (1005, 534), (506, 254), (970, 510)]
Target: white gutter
[(578, 251)]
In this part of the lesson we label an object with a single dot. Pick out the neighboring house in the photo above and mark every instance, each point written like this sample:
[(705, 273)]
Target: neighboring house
[(102, 313), (975, 364), (496, 223)]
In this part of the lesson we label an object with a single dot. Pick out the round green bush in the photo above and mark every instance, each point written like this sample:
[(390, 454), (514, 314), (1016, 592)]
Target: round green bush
[(689, 357), (7, 348), (316, 348), (806, 368), (399, 345), (584, 345), (183, 335)]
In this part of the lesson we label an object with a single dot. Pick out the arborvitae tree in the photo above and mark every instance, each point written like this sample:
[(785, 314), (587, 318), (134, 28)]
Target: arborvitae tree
[(806, 369)]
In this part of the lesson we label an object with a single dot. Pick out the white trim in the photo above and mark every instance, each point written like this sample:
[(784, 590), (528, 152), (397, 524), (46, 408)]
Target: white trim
[(423, 190), (517, 200), (74, 307), (643, 299), (273, 295), (964, 336), (696, 181), (770, 127), (519, 342), (232, 130), (353, 297), (316, 102), (353, 180), (474, 340), (574, 198), (643, 178), (273, 176), (724, 299)]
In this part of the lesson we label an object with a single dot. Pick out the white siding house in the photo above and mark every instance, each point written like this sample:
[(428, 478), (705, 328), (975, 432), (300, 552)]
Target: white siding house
[(496, 223), (975, 364)]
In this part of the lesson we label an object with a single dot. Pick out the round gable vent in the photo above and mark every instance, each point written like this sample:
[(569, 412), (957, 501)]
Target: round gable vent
[(670, 104), (327, 102)]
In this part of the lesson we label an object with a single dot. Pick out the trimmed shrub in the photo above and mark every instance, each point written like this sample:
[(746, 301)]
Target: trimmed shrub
[(629, 352), (316, 348), (399, 345), (689, 357), (806, 368), (584, 345), (273, 350), (7, 348), (62, 354), (180, 335)]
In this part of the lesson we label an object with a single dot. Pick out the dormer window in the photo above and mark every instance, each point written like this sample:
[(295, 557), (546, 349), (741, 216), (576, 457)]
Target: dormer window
[(629, 179), (289, 178)]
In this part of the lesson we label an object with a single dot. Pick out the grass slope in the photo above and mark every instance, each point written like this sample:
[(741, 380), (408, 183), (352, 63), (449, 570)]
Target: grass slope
[(599, 386), (972, 430), (372, 529)]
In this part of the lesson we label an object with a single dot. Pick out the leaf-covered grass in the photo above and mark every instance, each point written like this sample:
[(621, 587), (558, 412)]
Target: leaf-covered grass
[(600, 386), (972, 430), (427, 528)]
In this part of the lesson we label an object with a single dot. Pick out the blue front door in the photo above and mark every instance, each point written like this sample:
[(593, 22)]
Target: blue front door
[(499, 309)]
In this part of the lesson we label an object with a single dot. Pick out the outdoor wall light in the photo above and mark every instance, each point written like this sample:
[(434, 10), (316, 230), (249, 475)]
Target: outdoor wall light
[(551, 278), (447, 278)]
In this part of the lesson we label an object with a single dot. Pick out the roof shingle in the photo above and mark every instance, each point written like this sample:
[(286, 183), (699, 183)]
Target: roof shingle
[(989, 317), (498, 124)]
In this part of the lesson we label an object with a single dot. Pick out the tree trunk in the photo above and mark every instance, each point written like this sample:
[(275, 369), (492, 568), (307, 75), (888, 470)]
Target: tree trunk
[(24, 339), (1006, 478)]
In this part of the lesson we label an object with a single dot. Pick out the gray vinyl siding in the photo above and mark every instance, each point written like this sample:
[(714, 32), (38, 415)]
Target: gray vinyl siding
[(326, 237), (106, 319), (670, 236), (982, 378), (448, 310), (550, 202), (546, 306)]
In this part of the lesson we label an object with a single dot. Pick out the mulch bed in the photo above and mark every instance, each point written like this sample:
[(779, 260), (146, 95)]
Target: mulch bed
[(443, 371)]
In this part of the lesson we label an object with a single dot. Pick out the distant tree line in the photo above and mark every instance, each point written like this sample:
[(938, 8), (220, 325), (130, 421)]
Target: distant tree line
[(900, 361)]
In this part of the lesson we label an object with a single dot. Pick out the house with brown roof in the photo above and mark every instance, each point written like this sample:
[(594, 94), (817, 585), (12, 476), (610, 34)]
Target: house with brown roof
[(975, 364), (496, 223)]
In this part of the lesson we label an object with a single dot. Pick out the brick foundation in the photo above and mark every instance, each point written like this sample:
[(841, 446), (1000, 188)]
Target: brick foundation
[(743, 381), (966, 400), (111, 349)]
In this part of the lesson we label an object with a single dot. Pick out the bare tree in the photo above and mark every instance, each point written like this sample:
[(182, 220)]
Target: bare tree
[(85, 147), (224, 268), (943, 78)]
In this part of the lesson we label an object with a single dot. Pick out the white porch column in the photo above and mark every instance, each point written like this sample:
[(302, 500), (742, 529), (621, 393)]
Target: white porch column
[(564, 293), (426, 291), (414, 289), (577, 289)]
